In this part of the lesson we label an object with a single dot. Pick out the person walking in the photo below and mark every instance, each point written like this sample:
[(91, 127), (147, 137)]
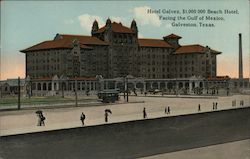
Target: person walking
[(144, 113), (168, 110), (216, 104), (39, 123), (82, 118), (42, 119), (106, 116), (213, 105), (199, 108)]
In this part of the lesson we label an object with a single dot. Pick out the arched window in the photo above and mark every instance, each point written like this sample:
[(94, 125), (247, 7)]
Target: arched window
[(49, 86), (39, 86), (44, 86)]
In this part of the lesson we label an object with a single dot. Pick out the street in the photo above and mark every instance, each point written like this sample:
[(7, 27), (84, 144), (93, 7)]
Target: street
[(134, 139)]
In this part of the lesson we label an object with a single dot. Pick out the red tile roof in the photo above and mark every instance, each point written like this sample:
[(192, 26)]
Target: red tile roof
[(65, 42), (116, 27), (153, 43), (172, 36), (186, 49), (87, 40)]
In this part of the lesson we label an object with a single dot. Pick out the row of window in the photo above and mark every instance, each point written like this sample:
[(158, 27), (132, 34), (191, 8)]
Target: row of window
[(152, 49), (46, 60), (44, 67)]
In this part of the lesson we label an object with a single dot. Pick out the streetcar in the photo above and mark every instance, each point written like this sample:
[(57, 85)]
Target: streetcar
[(109, 96)]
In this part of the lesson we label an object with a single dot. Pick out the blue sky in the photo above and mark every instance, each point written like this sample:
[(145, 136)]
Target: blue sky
[(25, 23)]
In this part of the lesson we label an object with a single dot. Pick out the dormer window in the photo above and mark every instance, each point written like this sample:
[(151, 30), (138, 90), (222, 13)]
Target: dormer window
[(173, 40)]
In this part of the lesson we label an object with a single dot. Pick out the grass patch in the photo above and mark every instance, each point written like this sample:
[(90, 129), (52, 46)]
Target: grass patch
[(43, 100)]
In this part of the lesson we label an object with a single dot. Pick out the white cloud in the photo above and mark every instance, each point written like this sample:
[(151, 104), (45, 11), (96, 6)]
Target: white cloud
[(86, 21), (144, 18)]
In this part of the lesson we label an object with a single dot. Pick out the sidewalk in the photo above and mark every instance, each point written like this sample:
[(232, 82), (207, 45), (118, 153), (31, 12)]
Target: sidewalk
[(25, 121), (232, 150)]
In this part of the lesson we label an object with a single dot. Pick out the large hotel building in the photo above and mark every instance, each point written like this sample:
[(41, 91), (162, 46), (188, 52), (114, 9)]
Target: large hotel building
[(114, 51)]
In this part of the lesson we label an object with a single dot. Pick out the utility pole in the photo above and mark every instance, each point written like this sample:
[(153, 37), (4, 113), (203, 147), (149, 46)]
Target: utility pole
[(62, 89), (1, 93), (19, 94), (127, 88), (76, 100), (124, 94), (30, 91)]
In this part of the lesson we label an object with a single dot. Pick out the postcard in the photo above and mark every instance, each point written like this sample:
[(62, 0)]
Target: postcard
[(125, 79)]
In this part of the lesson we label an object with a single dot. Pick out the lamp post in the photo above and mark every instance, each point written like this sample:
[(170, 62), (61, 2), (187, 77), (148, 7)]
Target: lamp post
[(125, 88), (19, 95)]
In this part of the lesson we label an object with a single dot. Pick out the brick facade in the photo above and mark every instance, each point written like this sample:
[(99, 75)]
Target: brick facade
[(114, 51)]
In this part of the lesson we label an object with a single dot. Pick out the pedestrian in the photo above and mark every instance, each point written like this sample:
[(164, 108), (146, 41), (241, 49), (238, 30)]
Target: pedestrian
[(216, 104), (106, 116), (213, 105), (165, 110), (144, 113), (42, 119), (168, 110), (39, 120), (82, 118), (242, 102), (199, 107)]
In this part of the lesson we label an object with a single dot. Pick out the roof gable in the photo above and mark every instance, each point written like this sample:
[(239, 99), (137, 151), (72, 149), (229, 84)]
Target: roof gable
[(116, 27), (174, 36)]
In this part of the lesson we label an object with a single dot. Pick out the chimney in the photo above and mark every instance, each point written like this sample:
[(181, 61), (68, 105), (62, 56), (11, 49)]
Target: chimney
[(240, 58)]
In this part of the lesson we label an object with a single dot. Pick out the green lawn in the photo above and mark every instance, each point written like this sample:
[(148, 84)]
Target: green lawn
[(44, 100)]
